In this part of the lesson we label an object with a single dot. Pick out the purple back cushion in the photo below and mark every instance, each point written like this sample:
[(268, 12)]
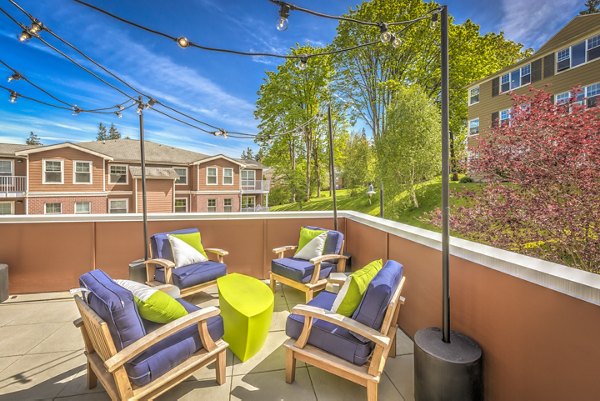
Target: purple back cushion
[(376, 299), (333, 244), (161, 247), (115, 305)]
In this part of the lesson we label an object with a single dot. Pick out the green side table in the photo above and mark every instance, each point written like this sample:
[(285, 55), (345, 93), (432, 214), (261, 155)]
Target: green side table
[(246, 306)]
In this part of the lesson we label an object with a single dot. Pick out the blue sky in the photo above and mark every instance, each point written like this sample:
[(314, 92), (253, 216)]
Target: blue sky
[(218, 88)]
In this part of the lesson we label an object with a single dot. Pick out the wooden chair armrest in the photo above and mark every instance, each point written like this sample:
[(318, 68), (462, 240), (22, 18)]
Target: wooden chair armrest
[(163, 262), (78, 322), (217, 251), (284, 248), (136, 348), (151, 269), (342, 321), (323, 258)]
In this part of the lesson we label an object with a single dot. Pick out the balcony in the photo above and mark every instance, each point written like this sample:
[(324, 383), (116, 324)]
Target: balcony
[(12, 186), (255, 187), (536, 321), (254, 209)]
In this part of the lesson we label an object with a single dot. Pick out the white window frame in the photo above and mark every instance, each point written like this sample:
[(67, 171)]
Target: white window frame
[(471, 96), (208, 205), (521, 75), (248, 197), (52, 203), (12, 207), (216, 175), (89, 207), (567, 93), (186, 205), (473, 119), (89, 163), (500, 117), (587, 43), (119, 200), (62, 171), (570, 101), (225, 206), (12, 167), (185, 176), (227, 169), (110, 181), (242, 180), (570, 49)]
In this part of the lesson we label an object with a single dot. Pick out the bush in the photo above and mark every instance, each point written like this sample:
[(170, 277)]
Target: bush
[(465, 180)]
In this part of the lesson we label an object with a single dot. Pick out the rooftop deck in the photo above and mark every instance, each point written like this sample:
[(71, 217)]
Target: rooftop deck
[(537, 322)]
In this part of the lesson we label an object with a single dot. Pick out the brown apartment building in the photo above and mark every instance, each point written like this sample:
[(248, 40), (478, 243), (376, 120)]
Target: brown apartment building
[(105, 177), (570, 58)]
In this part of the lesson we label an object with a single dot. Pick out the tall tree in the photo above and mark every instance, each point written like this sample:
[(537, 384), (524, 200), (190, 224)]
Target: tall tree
[(247, 154), (33, 139), (113, 132), (102, 134), (592, 7), (355, 162)]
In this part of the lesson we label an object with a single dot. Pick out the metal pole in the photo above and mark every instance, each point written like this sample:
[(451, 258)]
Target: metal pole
[(381, 199), (445, 178), (143, 161), (332, 168)]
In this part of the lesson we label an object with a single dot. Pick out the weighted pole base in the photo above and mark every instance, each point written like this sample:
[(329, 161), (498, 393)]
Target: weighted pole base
[(447, 371)]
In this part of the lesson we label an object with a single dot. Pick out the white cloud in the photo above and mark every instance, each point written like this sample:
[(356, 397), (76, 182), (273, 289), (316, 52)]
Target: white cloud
[(533, 22)]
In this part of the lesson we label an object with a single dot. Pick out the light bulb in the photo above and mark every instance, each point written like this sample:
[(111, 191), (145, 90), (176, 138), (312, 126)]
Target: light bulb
[(24, 36), (282, 24), (151, 102), (13, 97), (36, 27), (284, 13), (119, 115), (386, 35), (183, 42), (303, 63), (396, 41), (16, 76), (120, 107), (76, 110), (140, 109), (434, 20)]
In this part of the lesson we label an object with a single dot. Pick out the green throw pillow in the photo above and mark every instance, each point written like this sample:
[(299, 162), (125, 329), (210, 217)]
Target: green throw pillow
[(307, 235), (154, 305), (192, 239), (351, 293)]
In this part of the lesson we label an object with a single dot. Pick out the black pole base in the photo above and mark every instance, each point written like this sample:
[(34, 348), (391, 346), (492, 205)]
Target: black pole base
[(447, 371)]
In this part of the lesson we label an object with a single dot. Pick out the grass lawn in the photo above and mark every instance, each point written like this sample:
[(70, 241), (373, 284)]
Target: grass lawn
[(429, 194)]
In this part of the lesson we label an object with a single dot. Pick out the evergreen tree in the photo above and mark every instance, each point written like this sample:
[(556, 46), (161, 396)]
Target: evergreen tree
[(248, 154), (102, 134), (593, 6), (33, 139), (113, 132)]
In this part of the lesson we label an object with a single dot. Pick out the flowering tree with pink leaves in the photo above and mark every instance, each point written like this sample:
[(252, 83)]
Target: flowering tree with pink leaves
[(542, 175)]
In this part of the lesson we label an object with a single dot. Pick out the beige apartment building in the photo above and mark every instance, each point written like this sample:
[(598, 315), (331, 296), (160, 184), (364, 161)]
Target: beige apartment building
[(105, 177), (570, 58)]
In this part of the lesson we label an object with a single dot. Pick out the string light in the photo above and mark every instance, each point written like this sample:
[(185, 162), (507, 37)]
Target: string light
[(386, 35), (434, 20), (24, 36), (36, 27), (303, 62), (76, 110), (118, 114), (151, 102), (396, 41), (14, 77), (120, 107), (140, 108), (183, 42), (284, 13), (13, 97)]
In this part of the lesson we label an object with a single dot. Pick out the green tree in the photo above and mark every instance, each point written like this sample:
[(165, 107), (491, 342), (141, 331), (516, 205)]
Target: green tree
[(113, 132), (410, 152), (33, 139), (355, 163), (247, 154), (592, 7), (102, 134)]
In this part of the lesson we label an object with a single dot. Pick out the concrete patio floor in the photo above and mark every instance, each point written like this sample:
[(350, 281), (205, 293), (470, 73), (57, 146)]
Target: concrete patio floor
[(41, 358)]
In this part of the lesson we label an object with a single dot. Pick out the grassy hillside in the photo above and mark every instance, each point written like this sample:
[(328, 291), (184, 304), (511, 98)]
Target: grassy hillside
[(429, 195)]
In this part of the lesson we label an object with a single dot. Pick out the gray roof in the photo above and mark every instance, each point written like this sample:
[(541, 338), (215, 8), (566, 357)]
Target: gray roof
[(154, 172), (9, 149)]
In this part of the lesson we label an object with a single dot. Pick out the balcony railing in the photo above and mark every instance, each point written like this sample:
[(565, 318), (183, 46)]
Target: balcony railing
[(255, 209), (12, 186), (255, 186)]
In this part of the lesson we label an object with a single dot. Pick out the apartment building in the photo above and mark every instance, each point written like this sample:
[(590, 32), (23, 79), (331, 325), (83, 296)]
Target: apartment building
[(105, 177), (570, 58)]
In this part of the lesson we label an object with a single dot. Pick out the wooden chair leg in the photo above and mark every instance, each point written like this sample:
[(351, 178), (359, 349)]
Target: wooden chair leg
[(309, 295), (371, 391), (220, 365), (273, 283), (92, 379), (392, 353), (290, 366)]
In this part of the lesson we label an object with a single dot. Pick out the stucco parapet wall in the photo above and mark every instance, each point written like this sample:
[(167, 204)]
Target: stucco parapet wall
[(573, 282)]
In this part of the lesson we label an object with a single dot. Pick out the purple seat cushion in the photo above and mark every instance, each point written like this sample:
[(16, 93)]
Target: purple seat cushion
[(198, 273), (115, 305), (299, 270), (334, 241), (173, 350), (161, 247), (372, 308), (329, 337)]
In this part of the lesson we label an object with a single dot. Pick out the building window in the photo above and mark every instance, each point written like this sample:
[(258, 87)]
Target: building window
[(578, 54), (118, 174), (228, 205), (83, 207), (593, 48), (212, 205), (7, 208), (211, 176), (53, 172), (504, 117), (53, 208), (474, 95), (562, 98), (516, 78), (118, 206), (248, 202), (588, 96), (82, 172), (6, 168), (227, 176), (474, 126), (248, 179), (181, 205), (182, 173)]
